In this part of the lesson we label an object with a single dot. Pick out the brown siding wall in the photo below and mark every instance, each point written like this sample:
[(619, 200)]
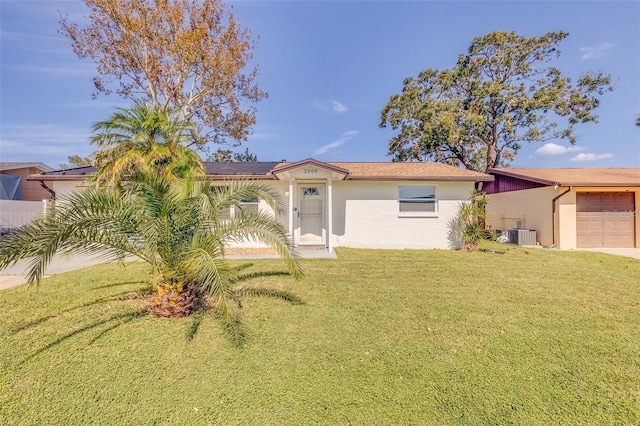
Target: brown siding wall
[(508, 184), (31, 191)]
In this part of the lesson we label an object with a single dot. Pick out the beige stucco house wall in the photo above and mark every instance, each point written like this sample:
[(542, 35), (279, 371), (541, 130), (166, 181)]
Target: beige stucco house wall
[(555, 222), (526, 209), (533, 208)]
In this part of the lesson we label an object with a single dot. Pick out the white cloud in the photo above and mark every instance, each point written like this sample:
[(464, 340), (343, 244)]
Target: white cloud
[(332, 106), (596, 51), (555, 149), (262, 136), (338, 107), (590, 157), (338, 142)]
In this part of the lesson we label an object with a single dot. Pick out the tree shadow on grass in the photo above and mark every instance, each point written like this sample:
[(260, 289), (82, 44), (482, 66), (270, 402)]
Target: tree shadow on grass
[(234, 330), (242, 291), (118, 284), (258, 274), (125, 295), (114, 322), (233, 327), (242, 267)]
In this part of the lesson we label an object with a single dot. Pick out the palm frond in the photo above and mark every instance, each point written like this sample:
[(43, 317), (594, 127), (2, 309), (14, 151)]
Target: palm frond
[(79, 225), (261, 227)]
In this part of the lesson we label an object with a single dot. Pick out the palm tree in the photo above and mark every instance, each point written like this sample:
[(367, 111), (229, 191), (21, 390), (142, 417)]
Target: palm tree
[(144, 138), (179, 226), (158, 207)]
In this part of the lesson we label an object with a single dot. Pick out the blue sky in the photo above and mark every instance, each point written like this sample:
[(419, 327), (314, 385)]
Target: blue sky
[(329, 68)]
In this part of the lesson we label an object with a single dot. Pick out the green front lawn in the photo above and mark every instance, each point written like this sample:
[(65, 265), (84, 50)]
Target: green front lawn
[(383, 337)]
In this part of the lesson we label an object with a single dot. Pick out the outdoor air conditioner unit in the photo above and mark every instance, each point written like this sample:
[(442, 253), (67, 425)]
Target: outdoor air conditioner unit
[(522, 237)]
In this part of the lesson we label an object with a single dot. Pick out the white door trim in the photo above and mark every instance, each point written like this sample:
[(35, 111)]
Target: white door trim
[(323, 234)]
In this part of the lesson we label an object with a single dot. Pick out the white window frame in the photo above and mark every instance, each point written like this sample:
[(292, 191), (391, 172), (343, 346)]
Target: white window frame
[(246, 203), (434, 213), (233, 209)]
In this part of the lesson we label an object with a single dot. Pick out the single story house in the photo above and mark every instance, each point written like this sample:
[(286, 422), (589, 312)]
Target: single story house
[(331, 204), (568, 208), (13, 183)]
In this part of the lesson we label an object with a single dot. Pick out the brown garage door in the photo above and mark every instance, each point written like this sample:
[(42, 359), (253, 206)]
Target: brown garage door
[(605, 219)]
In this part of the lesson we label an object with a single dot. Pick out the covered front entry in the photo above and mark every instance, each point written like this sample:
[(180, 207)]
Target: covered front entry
[(310, 197), (605, 219)]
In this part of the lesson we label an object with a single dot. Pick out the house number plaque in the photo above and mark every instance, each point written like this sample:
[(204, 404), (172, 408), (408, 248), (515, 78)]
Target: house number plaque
[(310, 171)]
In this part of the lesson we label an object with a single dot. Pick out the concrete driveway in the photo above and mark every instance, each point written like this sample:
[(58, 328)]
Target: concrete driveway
[(627, 252), (15, 274)]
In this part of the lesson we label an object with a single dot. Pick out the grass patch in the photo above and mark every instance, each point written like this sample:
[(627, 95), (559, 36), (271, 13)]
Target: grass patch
[(374, 337)]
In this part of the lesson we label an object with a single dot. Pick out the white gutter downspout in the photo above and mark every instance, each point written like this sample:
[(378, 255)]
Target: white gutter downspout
[(329, 213), (291, 231)]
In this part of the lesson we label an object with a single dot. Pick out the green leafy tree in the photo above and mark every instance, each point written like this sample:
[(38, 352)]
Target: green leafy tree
[(179, 226), (144, 138), (77, 161), (500, 94), (226, 155), (189, 55)]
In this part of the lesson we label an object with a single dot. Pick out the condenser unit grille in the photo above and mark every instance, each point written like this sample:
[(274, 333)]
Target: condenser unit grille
[(522, 237)]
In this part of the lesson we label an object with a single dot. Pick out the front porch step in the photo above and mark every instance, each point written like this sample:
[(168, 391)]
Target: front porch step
[(312, 247)]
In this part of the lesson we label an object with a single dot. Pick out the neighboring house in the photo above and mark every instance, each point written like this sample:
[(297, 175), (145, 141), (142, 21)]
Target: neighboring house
[(568, 208), (21, 200), (13, 183), (368, 205)]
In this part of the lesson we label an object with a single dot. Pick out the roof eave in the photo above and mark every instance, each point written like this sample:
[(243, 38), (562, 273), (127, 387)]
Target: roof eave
[(596, 184), (240, 177), (424, 178), (309, 161), (48, 178), (523, 177)]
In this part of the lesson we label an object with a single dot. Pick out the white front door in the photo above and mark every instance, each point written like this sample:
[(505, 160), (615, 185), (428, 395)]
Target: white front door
[(311, 223)]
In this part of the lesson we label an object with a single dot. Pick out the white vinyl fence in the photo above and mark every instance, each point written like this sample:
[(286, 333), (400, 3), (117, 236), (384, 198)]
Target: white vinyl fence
[(17, 213)]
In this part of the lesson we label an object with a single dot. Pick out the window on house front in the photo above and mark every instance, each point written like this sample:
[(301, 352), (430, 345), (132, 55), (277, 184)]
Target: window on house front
[(249, 205), (245, 206), (417, 200), (310, 193)]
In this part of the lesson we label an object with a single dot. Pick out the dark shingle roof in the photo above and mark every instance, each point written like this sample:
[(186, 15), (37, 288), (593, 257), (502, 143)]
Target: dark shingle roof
[(76, 171), (351, 170), (257, 168)]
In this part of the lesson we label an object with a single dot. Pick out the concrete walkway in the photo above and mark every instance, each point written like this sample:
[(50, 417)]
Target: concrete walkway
[(14, 275)]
